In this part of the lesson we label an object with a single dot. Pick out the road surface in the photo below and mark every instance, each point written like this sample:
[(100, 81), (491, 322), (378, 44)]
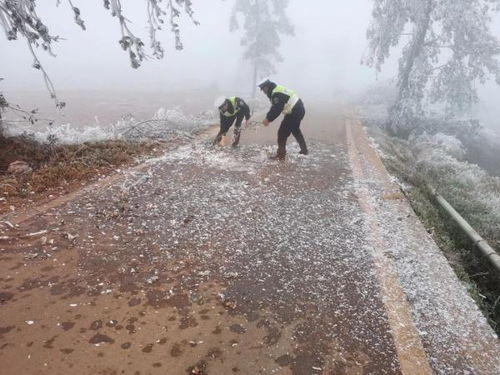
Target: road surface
[(211, 261)]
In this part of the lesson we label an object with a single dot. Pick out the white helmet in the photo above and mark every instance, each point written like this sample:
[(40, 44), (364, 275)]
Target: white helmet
[(219, 102)]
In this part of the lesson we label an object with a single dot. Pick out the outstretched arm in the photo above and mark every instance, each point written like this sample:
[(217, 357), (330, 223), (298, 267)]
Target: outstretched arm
[(278, 103), (246, 111)]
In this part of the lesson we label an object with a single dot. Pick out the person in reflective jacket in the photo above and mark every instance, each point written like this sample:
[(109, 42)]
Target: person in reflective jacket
[(287, 102), (232, 111)]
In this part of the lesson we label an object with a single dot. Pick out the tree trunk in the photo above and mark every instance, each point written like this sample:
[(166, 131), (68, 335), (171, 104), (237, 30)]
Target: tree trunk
[(257, 43), (255, 78), (402, 116)]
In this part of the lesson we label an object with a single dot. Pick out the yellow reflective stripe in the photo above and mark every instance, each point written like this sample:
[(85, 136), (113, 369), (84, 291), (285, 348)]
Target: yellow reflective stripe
[(232, 100), (282, 90), (292, 98)]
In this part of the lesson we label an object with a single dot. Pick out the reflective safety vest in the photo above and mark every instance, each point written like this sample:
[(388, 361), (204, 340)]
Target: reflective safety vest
[(292, 101), (232, 100)]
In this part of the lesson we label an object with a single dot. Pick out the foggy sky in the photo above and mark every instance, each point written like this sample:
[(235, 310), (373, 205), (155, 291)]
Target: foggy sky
[(323, 59), (325, 52)]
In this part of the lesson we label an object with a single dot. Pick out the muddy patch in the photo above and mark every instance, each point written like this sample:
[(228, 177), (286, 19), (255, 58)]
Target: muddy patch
[(67, 325), (5, 330), (176, 350), (137, 301)]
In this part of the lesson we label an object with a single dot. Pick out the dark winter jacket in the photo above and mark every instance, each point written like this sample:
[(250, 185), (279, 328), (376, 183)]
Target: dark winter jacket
[(278, 101), (241, 107)]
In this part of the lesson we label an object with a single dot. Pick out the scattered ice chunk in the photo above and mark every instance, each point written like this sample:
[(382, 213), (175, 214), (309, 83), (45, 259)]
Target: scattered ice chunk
[(152, 279)]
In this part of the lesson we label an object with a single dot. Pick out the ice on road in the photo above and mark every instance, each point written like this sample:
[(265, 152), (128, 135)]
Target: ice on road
[(209, 261)]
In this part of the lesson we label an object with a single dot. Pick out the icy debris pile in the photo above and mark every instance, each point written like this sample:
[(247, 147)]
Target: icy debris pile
[(167, 123), (66, 133), (164, 125)]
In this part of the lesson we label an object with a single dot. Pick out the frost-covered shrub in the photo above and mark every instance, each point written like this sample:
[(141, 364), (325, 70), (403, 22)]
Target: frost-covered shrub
[(440, 160), (163, 125), (429, 146), (441, 155)]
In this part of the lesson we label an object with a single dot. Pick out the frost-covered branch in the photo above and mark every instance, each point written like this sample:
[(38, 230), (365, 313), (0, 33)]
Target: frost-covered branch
[(78, 19), (18, 114), (46, 79), (129, 42), (19, 20), (451, 47), (157, 11)]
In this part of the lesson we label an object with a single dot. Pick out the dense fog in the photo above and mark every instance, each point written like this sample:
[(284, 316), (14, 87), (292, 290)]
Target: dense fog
[(322, 61)]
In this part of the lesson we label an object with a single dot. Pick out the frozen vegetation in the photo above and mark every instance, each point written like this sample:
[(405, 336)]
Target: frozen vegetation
[(445, 154), (457, 158), (164, 124)]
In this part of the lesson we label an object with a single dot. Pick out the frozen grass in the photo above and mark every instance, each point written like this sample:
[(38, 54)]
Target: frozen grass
[(62, 168), (439, 159), (63, 158)]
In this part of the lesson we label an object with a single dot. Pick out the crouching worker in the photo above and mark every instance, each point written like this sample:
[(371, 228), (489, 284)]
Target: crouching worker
[(287, 102), (232, 111)]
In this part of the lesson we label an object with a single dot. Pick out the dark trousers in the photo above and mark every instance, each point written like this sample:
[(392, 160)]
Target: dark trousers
[(291, 125), (226, 124)]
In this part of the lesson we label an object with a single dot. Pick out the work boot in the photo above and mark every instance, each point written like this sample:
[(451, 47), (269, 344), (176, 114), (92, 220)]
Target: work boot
[(236, 140), (219, 138), (216, 140), (302, 144)]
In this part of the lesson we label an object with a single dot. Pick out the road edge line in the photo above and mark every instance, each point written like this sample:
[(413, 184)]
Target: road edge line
[(410, 350)]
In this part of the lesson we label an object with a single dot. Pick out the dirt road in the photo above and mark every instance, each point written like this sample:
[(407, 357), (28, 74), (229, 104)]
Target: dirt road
[(223, 262)]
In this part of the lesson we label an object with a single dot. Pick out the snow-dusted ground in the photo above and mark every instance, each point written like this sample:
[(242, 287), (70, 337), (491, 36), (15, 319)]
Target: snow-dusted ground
[(454, 333), (268, 267)]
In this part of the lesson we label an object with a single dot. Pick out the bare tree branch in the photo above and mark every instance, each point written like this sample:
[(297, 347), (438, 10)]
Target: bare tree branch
[(19, 19)]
